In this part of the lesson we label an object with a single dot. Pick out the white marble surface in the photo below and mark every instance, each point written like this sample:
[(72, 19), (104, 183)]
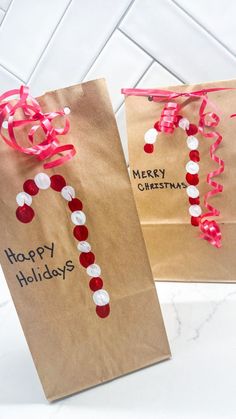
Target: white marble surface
[(198, 382)]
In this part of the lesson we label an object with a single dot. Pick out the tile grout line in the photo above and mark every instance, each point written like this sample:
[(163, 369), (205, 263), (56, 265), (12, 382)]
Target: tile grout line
[(6, 12), (49, 40), (13, 74), (204, 28), (150, 55), (84, 75), (108, 39), (136, 83)]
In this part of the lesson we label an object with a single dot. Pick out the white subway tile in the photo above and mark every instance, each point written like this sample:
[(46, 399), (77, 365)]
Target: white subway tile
[(122, 63), (25, 32), (174, 39), (81, 35)]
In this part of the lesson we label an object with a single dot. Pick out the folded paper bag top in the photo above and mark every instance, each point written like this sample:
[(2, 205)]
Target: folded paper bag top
[(157, 118), (72, 251)]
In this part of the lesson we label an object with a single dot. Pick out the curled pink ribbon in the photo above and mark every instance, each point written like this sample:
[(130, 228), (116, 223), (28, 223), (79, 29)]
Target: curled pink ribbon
[(168, 117), (210, 229), (36, 119)]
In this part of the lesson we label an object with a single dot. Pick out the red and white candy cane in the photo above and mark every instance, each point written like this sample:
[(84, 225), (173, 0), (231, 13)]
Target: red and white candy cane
[(31, 115), (171, 119), (25, 214)]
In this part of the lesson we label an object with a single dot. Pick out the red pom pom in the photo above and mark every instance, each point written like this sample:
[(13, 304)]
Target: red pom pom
[(193, 129), (157, 126), (80, 233), (87, 259), (75, 205), (96, 283), (103, 311), (192, 179), (148, 148), (195, 221), (178, 118), (57, 182), (25, 214), (194, 201), (30, 187), (194, 155)]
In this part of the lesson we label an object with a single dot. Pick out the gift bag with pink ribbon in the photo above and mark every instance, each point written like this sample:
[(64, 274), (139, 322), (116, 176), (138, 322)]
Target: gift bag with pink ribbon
[(71, 245), (182, 158)]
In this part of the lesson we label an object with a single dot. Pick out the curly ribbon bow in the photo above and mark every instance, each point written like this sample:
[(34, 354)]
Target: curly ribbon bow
[(34, 116), (210, 229)]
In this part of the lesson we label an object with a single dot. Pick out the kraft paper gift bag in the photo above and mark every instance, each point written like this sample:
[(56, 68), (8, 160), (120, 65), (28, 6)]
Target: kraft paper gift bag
[(182, 157), (71, 245)]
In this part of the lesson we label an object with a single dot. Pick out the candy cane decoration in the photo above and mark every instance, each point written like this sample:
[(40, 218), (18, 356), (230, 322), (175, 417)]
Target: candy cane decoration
[(167, 124), (25, 214), (168, 121)]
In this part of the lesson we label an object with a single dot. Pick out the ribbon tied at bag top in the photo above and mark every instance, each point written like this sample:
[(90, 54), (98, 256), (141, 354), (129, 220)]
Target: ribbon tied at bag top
[(19, 102), (169, 120)]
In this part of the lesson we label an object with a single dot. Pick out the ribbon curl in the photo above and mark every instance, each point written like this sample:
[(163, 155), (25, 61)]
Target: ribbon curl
[(210, 229), (34, 116)]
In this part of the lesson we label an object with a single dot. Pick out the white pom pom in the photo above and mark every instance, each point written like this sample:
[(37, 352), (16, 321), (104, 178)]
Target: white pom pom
[(23, 198), (192, 142), (192, 167), (68, 193), (42, 181), (150, 136), (84, 247), (78, 218), (192, 191), (101, 297), (195, 210), (184, 123), (94, 270)]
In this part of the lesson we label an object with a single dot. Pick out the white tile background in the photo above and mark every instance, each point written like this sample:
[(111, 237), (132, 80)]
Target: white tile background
[(49, 44)]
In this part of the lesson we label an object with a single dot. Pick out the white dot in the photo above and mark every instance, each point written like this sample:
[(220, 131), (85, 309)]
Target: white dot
[(192, 167), (23, 198), (184, 123), (151, 136), (66, 110), (195, 210), (93, 270), (101, 297), (68, 193), (84, 247), (192, 142), (5, 124), (78, 218), (42, 181), (192, 191)]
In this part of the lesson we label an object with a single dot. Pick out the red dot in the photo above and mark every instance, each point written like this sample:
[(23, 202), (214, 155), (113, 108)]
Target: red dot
[(178, 118), (57, 182), (193, 129), (87, 259), (25, 214), (30, 187), (148, 148), (192, 179), (103, 311), (96, 283), (157, 126), (75, 205), (80, 233), (194, 201), (195, 221), (194, 155)]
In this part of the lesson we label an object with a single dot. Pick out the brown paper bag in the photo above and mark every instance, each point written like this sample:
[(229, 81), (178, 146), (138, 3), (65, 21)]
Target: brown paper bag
[(72, 347), (175, 250)]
